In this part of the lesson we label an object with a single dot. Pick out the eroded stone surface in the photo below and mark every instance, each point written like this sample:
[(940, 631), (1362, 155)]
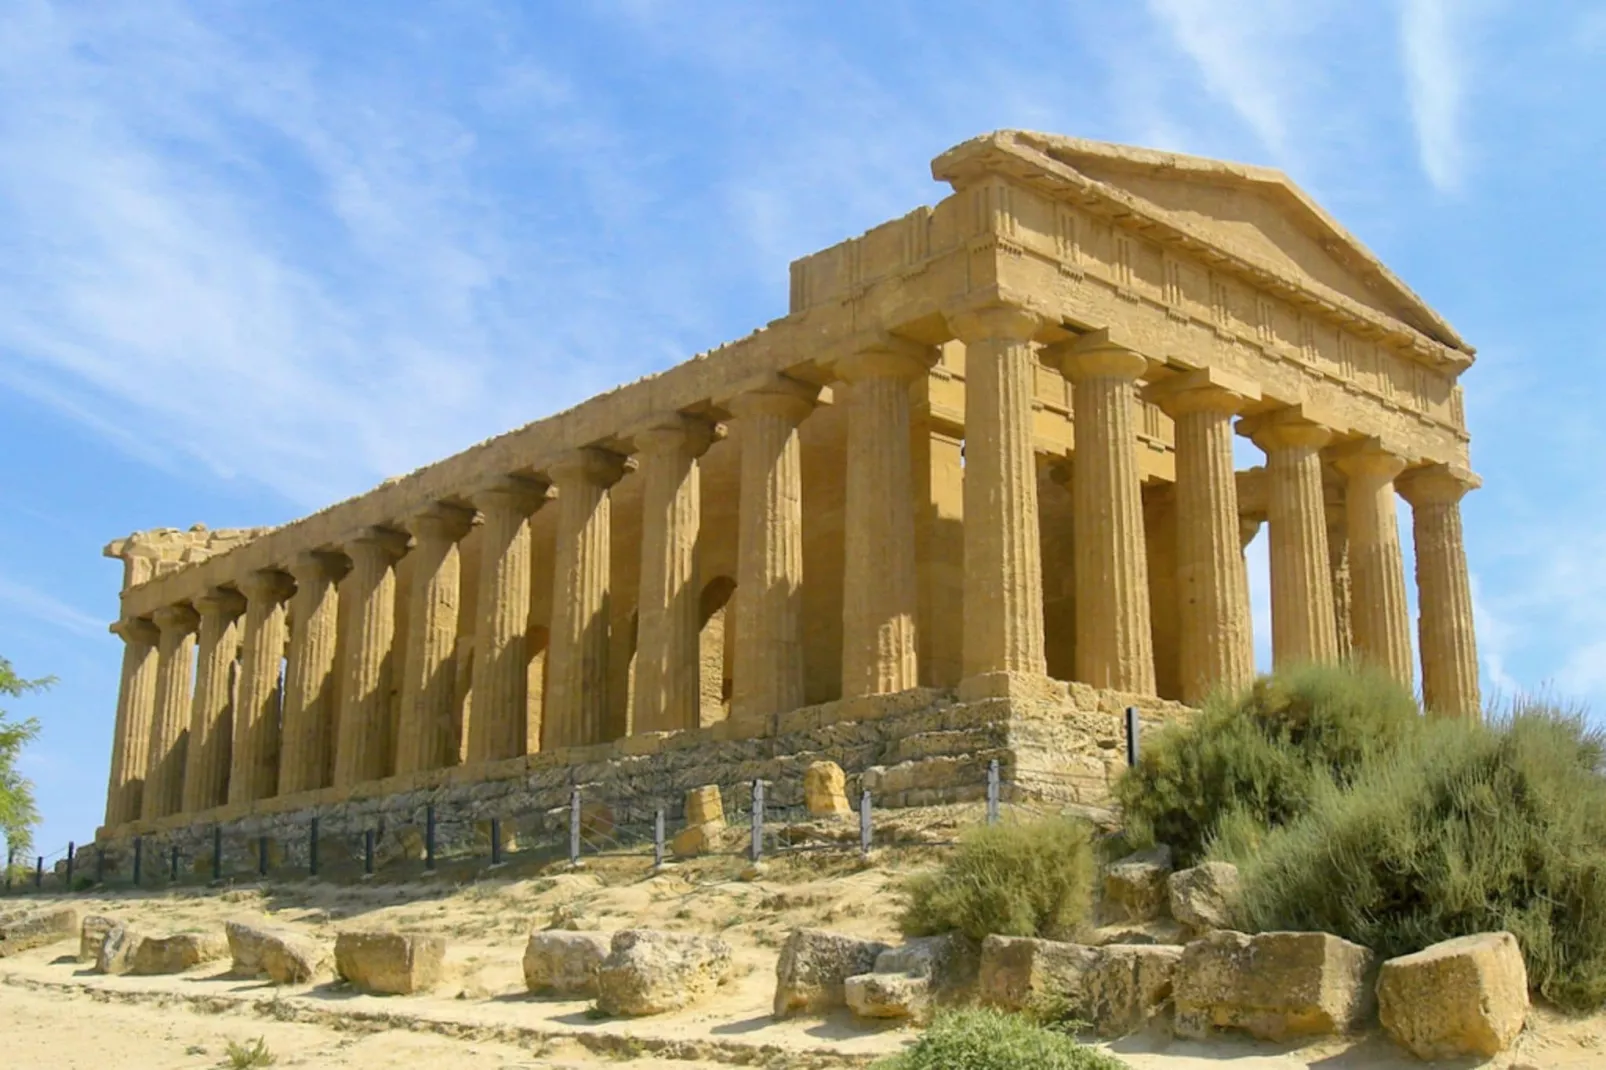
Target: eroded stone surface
[(1204, 897), (559, 963), (1135, 886), (651, 972), (37, 929), (814, 966), (1467, 996), (284, 957), (92, 934), (388, 963), (177, 952), (825, 790), (1275, 986)]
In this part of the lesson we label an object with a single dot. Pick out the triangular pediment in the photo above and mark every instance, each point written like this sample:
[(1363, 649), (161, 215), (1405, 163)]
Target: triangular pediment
[(1255, 215)]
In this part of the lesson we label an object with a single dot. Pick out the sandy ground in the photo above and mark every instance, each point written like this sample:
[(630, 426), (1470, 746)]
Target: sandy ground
[(55, 1012)]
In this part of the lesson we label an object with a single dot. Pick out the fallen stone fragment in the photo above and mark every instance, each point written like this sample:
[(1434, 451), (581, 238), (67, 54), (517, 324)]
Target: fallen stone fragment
[(176, 953), (1022, 973), (1467, 996), (117, 947), (561, 963), (1129, 985), (38, 928), (1274, 986), (1135, 886), (284, 957), (825, 790), (704, 804), (814, 967), (1116, 989), (389, 963), (650, 972), (889, 995), (1205, 897), (92, 934), (699, 839)]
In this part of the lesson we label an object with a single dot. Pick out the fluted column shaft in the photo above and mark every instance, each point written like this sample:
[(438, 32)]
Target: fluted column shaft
[(206, 771), (164, 771), (1443, 591), (306, 758), (1216, 644), (254, 768), (1302, 617), (363, 741), (1003, 629), (498, 719), (1380, 620), (577, 652), (879, 592), (1339, 568), (1114, 638), (131, 734), (426, 734), (668, 692), (768, 670)]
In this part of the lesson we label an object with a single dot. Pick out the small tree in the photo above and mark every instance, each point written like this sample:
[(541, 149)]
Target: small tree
[(17, 812)]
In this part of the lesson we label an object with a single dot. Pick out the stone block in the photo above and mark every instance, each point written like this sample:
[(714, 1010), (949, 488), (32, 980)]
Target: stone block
[(889, 995), (390, 963), (1135, 887), (694, 840), (176, 953), (1130, 985), (117, 949), (560, 963), (92, 934), (1274, 986), (38, 928), (1021, 973), (1205, 897), (285, 957), (704, 804), (652, 972), (1467, 996), (825, 790), (814, 967)]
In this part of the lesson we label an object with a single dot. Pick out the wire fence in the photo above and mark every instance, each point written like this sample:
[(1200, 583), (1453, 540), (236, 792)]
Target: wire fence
[(458, 843)]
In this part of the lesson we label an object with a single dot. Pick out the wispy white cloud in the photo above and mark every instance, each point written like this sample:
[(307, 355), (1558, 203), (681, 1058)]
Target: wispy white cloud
[(19, 599), (1435, 82)]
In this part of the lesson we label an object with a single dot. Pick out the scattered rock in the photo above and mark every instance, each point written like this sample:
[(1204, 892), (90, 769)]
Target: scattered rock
[(1205, 897), (649, 972), (1130, 985), (1158, 931), (286, 958), (92, 934), (1467, 996), (38, 928), (697, 839), (1023, 973), (825, 790), (1135, 886), (558, 963), (117, 949), (176, 953), (1274, 986), (814, 966), (1116, 989), (889, 995), (387, 963), (704, 805)]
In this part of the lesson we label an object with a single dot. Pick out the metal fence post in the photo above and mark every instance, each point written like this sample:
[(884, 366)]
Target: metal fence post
[(429, 837), (139, 858), (217, 853), (994, 784), (312, 846), (496, 841), (71, 858), (864, 822), (367, 852), (758, 820), (1131, 735), (172, 867), (11, 860), (262, 856), (658, 838), (39, 872), (574, 827)]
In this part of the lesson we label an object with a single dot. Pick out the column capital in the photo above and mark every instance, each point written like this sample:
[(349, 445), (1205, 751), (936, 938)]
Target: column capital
[(1095, 355), (1291, 425), (266, 584), (180, 619), (884, 356), (134, 630), (439, 520), (508, 491), (1377, 458), (374, 541), (220, 602), (1248, 528), (309, 566), (589, 465), (1202, 390), (1437, 484), (974, 321), (780, 396), (678, 434)]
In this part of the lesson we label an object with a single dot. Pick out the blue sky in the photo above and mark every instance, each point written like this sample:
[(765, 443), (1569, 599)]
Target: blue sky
[(258, 256)]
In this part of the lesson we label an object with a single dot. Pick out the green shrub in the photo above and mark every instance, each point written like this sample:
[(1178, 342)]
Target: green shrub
[(1032, 879), (992, 1040), (1467, 828), (1261, 756)]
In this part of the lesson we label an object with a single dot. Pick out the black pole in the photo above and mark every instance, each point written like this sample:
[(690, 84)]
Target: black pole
[(429, 837), (367, 852), (993, 784), (658, 838), (100, 865), (217, 853), (262, 856), (139, 858), (1131, 735), (172, 873), (757, 846), (11, 860), (496, 841), (71, 858), (39, 872), (312, 847)]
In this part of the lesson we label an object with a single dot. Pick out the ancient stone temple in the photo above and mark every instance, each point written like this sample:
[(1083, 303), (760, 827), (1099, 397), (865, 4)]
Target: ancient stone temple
[(984, 463)]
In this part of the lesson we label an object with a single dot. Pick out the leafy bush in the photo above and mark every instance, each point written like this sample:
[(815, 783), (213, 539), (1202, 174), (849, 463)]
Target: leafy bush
[(1263, 755), (991, 1040), (1033, 879), (1467, 828)]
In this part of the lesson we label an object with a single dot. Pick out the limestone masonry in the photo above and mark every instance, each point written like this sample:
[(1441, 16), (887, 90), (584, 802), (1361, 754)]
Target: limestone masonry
[(987, 454)]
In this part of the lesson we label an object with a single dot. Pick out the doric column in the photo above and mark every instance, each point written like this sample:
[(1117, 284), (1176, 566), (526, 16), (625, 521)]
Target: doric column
[(1443, 592), (164, 769), (1248, 528), (254, 768), (879, 594), (426, 733), (1114, 638), (768, 670), (1338, 567), (131, 734), (1213, 601), (1003, 630), (668, 695), (1379, 616), (363, 741), (307, 747), (206, 772), (1302, 618), (577, 654), (498, 720)]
